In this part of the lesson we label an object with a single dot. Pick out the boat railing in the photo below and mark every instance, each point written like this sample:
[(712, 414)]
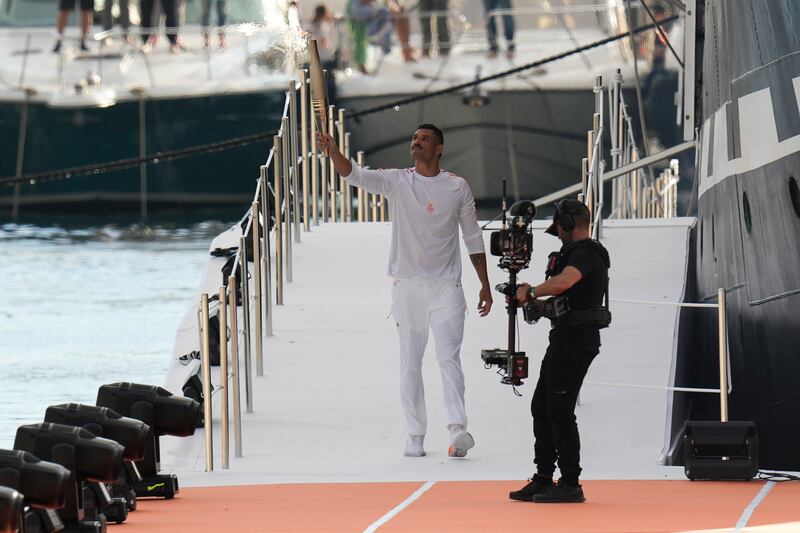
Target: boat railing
[(305, 191), (636, 192), (119, 60), (468, 27)]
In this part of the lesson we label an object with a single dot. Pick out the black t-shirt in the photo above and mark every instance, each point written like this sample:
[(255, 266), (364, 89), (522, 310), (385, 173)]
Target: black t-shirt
[(591, 259)]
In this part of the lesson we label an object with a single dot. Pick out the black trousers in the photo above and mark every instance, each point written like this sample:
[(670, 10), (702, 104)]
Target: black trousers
[(555, 428), (443, 32), (170, 8)]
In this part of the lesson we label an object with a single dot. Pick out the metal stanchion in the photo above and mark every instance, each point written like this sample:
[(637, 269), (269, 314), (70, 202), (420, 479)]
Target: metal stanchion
[(331, 168), (723, 355), (584, 175), (223, 373), (21, 138), (323, 183), (206, 364), (348, 197), (383, 208), (304, 143), (293, 157), (237, 405), (266, 258), (248, 380), (287, 200), (362, 194), (277, 169), (374, 203), (142, 152), (257, 289), (342, 184), (314, 161)]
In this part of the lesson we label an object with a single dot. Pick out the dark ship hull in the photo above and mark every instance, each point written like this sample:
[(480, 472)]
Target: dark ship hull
[(61, 138), (747, 236)]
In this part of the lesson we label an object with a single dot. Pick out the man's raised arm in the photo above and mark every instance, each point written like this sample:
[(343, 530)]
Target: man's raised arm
[(373, 181)]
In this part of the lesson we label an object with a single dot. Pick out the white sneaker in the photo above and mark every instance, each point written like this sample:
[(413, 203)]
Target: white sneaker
[(414, 446), (460, 442)]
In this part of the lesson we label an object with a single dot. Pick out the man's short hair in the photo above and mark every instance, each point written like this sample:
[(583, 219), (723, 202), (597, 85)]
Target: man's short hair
[(434, 129)]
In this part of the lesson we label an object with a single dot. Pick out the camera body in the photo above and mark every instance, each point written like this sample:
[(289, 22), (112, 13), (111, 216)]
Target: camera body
[(513, 364), (513, 244)]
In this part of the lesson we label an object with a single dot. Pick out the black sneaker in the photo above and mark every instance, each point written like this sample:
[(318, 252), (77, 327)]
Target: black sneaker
[(561, 493), (538, 483), (57, 47), (84, 48)]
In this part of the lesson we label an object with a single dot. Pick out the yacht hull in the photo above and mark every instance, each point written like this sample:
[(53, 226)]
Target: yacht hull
[(61, 138)]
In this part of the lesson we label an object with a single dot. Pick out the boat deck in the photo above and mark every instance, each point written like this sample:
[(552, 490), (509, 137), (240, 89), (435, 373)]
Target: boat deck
[(323, 446), (619, 506)]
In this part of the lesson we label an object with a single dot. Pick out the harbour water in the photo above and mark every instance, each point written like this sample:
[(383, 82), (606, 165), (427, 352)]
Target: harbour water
[(90, 304)]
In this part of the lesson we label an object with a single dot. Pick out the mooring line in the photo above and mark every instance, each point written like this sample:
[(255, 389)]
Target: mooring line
[(405, 503)]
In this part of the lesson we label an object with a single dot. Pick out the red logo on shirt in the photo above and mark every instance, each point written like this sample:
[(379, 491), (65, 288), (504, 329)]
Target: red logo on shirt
[(429, 208)]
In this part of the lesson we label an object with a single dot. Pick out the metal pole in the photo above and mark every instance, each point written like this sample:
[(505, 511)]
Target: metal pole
[(348, 198), (25, 55), (237, 404), (314, 162), (600, 114), (142, 154), (223, 373), (584, 175), (266, 256), (294, 158), (331, 168), (206, 366), (287, 202), (383, 208), (362, 194), (323, 182), (257, 290), (23, 129), (277, 169), (248, 381), (342, 193), (304, 142), (723, 355)]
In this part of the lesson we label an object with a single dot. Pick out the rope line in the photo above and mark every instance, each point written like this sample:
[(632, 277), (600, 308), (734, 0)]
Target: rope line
[(504, 73), (121, 164)]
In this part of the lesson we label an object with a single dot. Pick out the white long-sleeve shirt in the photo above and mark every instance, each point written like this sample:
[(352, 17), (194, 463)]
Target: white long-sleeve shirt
[(426, 213)]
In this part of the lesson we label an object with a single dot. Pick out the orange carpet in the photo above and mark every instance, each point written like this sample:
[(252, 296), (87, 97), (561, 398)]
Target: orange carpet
[(612, 506), (781, 506)]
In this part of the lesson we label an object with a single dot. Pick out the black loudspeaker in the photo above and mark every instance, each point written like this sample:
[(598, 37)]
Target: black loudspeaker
[(720, 450)]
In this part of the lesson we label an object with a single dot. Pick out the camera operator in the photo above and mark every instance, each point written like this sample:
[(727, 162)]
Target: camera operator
[(427, 206), (579, 272)]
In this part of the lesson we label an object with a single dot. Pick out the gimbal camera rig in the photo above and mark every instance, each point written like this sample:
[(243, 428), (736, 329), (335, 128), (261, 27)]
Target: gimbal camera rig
[(514, 245)]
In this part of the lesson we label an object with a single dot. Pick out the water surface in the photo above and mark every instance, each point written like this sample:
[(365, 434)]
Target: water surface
[(88, 305)]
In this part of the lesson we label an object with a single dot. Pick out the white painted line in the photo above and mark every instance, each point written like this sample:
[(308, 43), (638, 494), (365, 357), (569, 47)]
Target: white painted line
[(651, 387), (748, 512), (408, 501)]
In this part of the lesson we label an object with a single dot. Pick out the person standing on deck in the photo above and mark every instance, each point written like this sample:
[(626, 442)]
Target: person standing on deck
[(65, 7), (427, 206)]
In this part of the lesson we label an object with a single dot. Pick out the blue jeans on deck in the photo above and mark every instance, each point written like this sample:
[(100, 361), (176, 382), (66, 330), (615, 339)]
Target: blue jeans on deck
[(491, 26), (206, 12)]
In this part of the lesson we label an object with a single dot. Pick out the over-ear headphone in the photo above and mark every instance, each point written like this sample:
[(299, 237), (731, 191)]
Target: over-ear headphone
[(565, 215)]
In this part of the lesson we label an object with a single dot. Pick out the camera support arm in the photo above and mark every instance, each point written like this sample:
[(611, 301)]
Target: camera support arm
[(512, 309)]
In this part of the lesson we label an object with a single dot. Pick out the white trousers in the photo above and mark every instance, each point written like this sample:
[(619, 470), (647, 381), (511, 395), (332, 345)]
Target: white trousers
[(420, 305)]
